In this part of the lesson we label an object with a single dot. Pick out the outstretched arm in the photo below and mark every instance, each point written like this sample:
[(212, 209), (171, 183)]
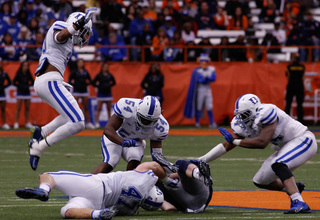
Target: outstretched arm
[(217, 151)]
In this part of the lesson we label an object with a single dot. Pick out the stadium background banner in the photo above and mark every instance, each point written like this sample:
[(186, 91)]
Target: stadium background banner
[(266, 80)]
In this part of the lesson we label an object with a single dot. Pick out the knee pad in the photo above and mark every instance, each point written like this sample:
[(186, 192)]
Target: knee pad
[(76, 127), (183, 165), (282, 171)]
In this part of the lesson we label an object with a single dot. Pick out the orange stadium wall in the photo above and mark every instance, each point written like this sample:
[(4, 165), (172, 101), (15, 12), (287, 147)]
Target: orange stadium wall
[(266, 80)]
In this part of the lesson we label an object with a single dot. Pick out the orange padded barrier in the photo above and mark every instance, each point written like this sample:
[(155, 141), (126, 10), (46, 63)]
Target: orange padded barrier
[(266, 80)]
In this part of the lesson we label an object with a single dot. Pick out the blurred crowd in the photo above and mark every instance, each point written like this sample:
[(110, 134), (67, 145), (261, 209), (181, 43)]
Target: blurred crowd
[(164, 29)]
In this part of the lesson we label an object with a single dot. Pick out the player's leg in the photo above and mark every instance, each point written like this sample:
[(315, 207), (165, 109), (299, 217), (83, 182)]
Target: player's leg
[(16, 115), (56, 95), (85, 103), (209, 107), (134, 155), (27, 103), (289, 98), (109, 103), (99, 106), (300, 98), (199, 105), (111, 154)]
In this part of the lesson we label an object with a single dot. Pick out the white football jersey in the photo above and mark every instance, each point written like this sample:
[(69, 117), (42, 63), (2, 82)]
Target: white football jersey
[(287, 128), (126, 108), (57, 54), (127, 189)]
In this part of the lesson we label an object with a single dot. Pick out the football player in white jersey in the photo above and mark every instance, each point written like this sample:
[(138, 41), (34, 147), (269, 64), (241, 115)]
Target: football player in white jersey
[(257, 124), (50, 87), (99, 196), (124, 135)]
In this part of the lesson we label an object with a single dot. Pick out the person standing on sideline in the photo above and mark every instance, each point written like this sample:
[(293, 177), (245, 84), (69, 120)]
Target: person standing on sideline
[(3, 100), (295, 71), (23, 80), (103, 81), (153, 82), (50, 87), (80, 79), (199, 93)]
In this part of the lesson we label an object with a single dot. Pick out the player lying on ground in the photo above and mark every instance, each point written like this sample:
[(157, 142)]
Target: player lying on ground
[(124, 135), (255, 125), (100, 195), (188, 194)]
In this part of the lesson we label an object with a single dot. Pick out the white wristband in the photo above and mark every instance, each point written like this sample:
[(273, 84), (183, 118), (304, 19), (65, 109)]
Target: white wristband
[(236, 141), (71, 29)]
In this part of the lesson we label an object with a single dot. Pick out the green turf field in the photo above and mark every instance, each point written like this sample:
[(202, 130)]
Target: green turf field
[(233, 171)]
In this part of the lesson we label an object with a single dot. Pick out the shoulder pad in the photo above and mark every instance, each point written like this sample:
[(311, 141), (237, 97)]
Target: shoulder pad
[(267, 114), (59, 25), (125, 107), (161, 130)]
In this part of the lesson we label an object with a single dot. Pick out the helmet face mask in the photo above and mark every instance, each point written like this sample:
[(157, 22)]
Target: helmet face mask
[(245, 110), (148, 111)]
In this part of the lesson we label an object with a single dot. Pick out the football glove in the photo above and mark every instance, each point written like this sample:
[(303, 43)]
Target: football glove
[(80, 23), (128, 143), (226, 134)]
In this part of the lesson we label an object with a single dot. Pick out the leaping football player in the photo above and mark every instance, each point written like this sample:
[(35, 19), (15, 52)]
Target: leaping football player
[(257, 124), (50, 87)]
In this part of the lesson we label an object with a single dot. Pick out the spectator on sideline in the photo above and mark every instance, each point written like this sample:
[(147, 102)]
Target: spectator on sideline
[(103, 81), (153, 82), (34, 53), (169, 27), (239, 21), (279, 33), (116, 51), (31, 12), (199, 93), (159, 41), (111, 11), (312, 29), (13, 27), (204, 19), (268, 13), (5, 82), (297, 37), (146, 40), (80, 79), (23, 81), (221, 19), (206, 47), (191, 52), (238, 54), (295, 87), (187, 33), (8, 51)]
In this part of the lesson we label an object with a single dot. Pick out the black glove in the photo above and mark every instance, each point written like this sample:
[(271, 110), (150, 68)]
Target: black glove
[(80, 23)]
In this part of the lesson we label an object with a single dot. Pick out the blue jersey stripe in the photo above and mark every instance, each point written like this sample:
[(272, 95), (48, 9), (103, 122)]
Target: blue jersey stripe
[(59, 25), (263, 121), (117, 110), (59, 102), (280, 160), (271, 120), (69, 173), (66, 101), (152, 106), (104, 150), (237, 102)]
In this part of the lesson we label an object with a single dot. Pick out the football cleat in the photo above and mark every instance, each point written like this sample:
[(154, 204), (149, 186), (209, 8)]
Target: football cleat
[(298, 207), (204, 171), (33, 158), (35, 193), (35, 133), (107, 213), (166, 165)]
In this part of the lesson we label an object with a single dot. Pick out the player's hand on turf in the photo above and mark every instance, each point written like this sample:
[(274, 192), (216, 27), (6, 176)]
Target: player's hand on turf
[(128, 143), (226, 134)]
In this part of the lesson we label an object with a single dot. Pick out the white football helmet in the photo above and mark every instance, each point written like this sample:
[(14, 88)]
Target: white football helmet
[(148, 111), (153, 200), (246, 108), (82, 36)]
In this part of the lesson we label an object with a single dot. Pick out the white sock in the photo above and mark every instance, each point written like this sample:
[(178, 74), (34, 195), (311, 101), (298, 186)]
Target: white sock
[(53, 125), (214, 153), (45, 186), (95, 214), (296, 196)]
